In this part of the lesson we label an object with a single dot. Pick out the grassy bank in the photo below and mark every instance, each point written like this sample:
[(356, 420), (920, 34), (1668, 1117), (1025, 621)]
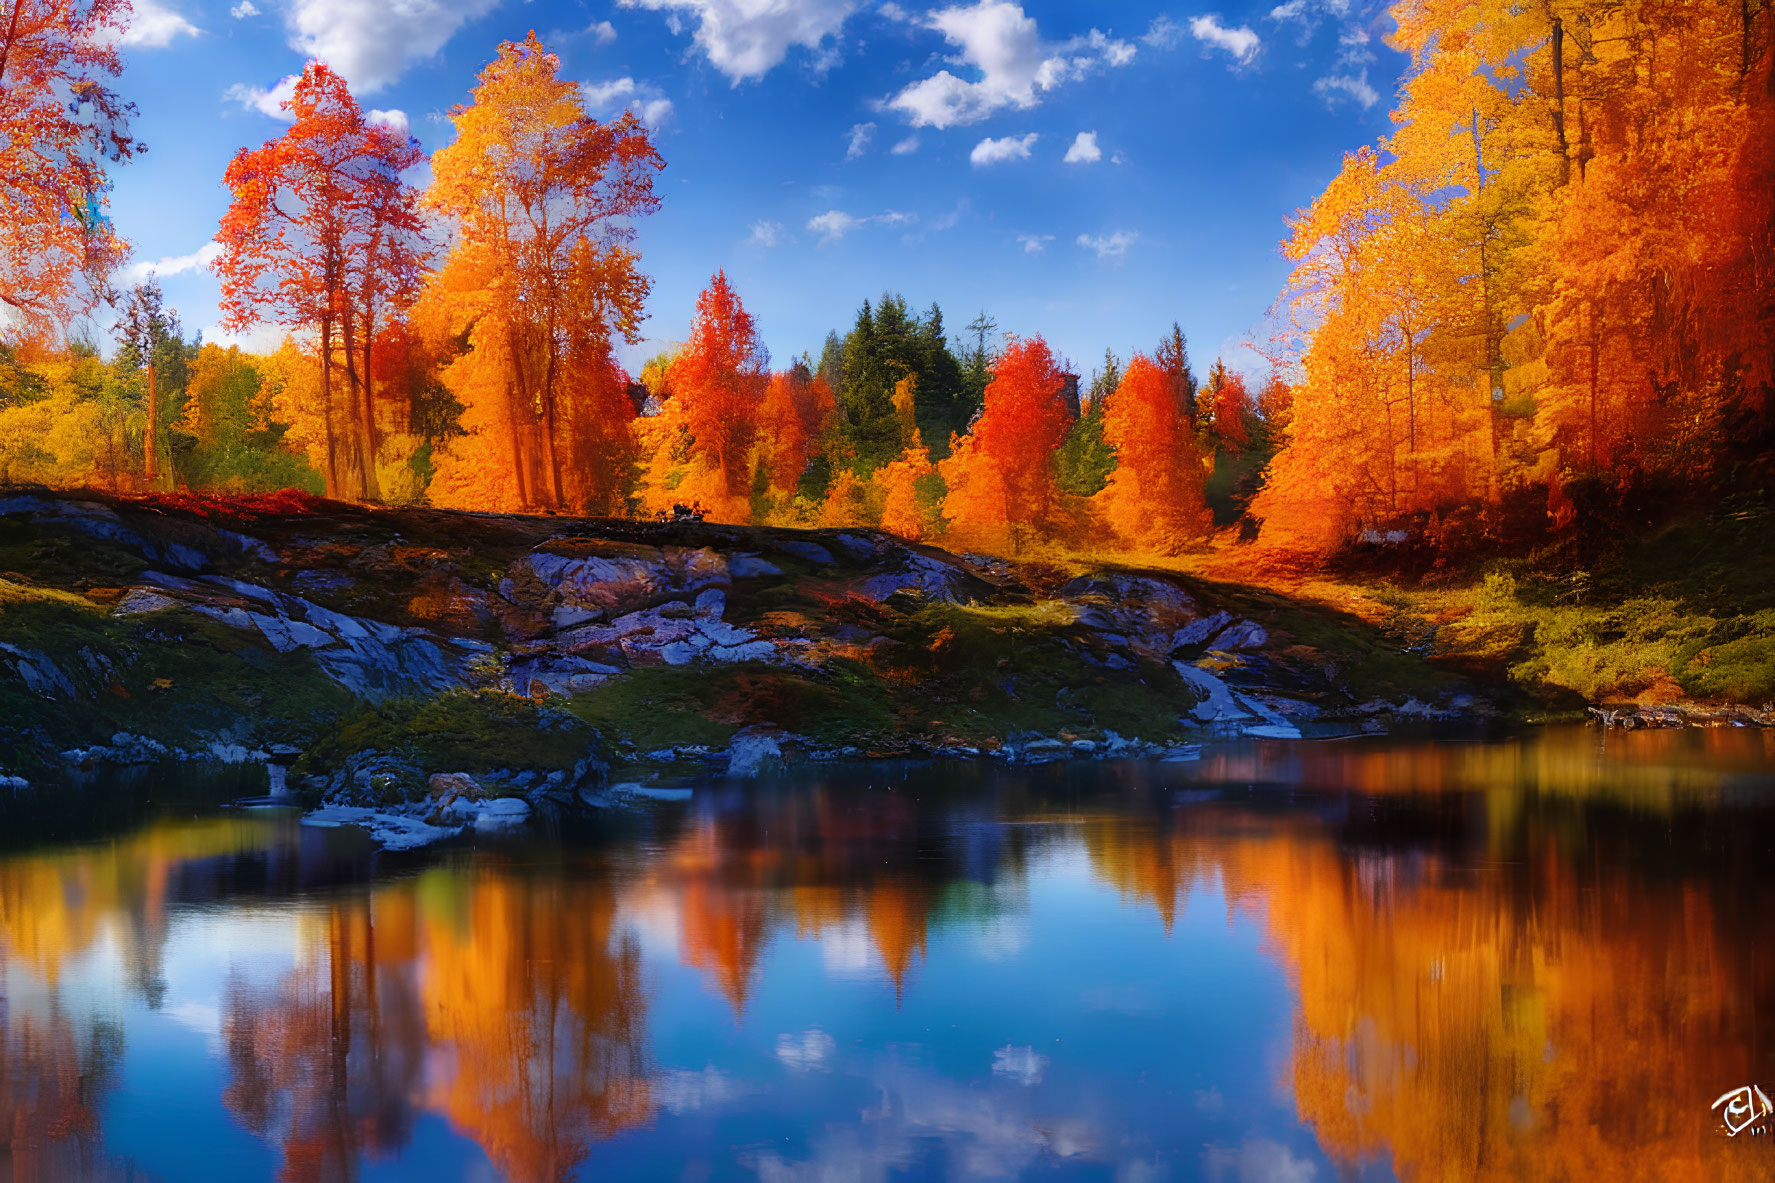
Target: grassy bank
[(1683, 615)]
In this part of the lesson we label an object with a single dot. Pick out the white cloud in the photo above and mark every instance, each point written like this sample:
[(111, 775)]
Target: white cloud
[(858, 139), (991, 151), (1035, 244), (1353, 50), (372, 42), (603, 32), (393, 117), (616, 94), (261, 338), (1241, 42), (154, 26), (243, 10), (766, 234), (1111, 246), (833, 225), (266, 102), (1337, 88), (811, 1049), (1303, 10), (1084, 149), (1022, 1064), (198, 259), (905, 147), (893, 12), (747, 38), (997, 38), (1163, 33)]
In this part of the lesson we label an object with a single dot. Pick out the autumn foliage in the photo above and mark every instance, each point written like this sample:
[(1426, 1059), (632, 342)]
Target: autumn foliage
[(323, 236), (1541, 309), (61, 124), (1154, 496), (543, 282)]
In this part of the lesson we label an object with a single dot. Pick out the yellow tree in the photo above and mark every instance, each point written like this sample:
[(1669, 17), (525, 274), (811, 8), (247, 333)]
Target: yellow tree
[(542, 279)]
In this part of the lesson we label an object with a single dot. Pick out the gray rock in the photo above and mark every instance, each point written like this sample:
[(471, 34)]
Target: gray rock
[(501, 814), (573, 615), (812, 552), (711, 602), (1246, 634), (1197, 632), (391, 831), (1217, 703), (751, 566), (751, 752), (140, 601)]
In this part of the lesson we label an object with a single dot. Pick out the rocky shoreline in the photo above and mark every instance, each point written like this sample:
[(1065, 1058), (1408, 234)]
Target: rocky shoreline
[(364, 654)]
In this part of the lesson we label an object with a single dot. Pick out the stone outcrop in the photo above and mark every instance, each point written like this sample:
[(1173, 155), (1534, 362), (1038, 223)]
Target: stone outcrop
[(178, 628)]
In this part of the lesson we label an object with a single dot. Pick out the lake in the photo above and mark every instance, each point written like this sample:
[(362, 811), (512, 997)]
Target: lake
[(1536, 958)]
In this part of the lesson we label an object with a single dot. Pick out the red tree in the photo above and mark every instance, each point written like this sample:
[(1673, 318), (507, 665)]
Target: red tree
[(1024, 420), (722, 374), (324, 235), (59, 127), (794, 414)]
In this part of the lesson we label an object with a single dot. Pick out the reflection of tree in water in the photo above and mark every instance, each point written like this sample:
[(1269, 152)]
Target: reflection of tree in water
[(493, 998), (329, 1062), (1553, 990), (54, 1074)]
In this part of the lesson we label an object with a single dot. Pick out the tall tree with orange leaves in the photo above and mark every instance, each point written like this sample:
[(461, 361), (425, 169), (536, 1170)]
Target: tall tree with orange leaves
[(722, 374), (543, 280), (323, 235), (1154, 497), (60, 126)]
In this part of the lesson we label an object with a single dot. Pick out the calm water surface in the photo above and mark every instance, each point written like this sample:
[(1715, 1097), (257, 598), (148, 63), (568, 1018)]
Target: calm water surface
[(1537, 959)]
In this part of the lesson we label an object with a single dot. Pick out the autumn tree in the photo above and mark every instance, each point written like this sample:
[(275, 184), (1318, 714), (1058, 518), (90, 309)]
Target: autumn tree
[(60, 127), (323, 235), (150, 343), (721, 375), (543, 280), (1154, 498), (1002, 475), (797, 409)]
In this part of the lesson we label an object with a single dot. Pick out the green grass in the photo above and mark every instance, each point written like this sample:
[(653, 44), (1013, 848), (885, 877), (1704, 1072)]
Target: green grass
[(460, 731), (1688, 613)]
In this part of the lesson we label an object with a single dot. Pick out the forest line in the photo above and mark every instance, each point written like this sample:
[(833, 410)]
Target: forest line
[(1543, 307)]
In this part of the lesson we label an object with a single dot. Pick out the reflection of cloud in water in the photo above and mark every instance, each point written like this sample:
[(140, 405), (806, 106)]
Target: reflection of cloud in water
[(205, 1018), (680, 1091), (1002, 938), (1138, 1001), (985, 1133), (848, 951), (1258, 1160), (1021, 1064), (653, 917), (809, 1050)]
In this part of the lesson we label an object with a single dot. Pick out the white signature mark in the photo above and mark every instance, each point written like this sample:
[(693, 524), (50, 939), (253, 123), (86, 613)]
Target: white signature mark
[(1744, 1107)]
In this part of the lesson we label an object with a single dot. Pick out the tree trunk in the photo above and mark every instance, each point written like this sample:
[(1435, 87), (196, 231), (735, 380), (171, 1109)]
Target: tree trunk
[(1565, 160), (151, 434), (326, 404)]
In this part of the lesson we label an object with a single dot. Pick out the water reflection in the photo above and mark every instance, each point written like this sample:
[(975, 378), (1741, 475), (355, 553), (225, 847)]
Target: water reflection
[(1540, 959)]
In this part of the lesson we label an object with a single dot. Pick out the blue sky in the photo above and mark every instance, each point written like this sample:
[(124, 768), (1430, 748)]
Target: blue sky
[(1089, 172)]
